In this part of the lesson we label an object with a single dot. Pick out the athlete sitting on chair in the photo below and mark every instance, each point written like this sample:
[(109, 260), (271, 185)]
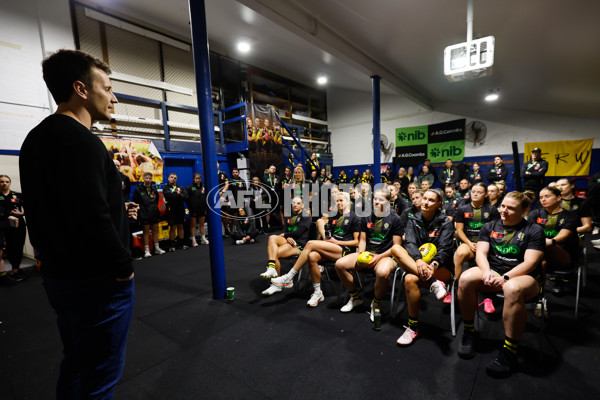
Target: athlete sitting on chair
[(341, 238)]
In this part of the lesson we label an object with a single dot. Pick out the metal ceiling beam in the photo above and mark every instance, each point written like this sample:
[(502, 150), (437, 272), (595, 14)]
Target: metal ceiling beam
[(301, 22)]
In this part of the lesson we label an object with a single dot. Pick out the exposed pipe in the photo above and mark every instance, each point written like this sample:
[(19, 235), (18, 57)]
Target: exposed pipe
[(469, 20)]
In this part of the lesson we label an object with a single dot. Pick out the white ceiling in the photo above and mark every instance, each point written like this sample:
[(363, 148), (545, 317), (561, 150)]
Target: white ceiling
[(547, 56)]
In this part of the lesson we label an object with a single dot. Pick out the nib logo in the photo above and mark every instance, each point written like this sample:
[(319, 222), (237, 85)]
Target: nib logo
[(435, 153), (402, 136)]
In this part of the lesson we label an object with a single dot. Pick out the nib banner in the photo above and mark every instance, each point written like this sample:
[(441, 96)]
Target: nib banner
[(437, 142)]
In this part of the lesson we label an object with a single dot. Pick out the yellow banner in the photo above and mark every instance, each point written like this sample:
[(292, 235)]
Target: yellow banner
[(564, 157)]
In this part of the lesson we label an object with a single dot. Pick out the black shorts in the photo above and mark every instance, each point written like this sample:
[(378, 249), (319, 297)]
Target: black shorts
[(536, 274), (347, 250), (175, 218), (148, 221), (198, 213)]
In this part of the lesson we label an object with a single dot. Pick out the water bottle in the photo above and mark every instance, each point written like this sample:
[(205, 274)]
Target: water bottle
[(377, 319)]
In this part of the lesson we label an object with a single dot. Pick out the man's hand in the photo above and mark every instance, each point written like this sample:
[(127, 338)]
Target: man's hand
[(132, 210), (291, 241)]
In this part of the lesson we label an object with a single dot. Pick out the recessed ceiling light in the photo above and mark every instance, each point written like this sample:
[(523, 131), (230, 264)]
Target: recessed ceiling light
[(322, 80), (243, 46), (492, 96)]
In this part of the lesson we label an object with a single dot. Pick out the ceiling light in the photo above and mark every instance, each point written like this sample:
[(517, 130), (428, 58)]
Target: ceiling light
[(243, 46), (492, 95), (322, 80)]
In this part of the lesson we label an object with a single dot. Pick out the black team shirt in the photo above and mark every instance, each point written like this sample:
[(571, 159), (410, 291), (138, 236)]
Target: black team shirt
[(79, 236)]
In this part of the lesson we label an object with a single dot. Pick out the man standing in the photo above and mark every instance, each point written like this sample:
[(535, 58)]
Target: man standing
[(534, 172), (449, 174), (86, 263), (498, 172)]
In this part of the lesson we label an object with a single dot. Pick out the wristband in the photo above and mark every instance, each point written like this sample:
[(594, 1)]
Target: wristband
[(435, 264), (554, 241)]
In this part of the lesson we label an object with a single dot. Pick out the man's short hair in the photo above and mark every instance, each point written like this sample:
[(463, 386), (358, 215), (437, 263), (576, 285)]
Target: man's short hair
[(65, 67), (147, 173)]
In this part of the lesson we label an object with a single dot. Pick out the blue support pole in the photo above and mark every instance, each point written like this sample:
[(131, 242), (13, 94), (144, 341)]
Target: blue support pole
[(376, 129), (163, 106), (209, 148)]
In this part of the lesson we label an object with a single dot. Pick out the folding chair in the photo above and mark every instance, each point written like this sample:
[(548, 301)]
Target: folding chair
[(579, 268)]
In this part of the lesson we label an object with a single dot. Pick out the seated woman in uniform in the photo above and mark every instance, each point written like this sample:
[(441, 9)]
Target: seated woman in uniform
[(379, 231), (470, 217), (244, 229), (494, 195), (291, 241), (572, 203), (429, 225), (340, 238), (560, 230), (509, 255)]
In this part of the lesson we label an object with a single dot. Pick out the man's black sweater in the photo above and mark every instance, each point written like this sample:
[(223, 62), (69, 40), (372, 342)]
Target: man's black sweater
[(85, 233)]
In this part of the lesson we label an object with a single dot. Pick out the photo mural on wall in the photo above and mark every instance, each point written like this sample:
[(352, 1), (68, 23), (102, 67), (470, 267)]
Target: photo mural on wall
[(265, 138)]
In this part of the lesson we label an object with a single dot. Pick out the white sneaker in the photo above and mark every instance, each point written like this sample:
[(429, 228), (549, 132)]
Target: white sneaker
[(439, 289), (251, 240), (351, 304), (158, 250), (147, 254), (271, 290), (315, 299), (595, 242), (538, 309), (269, 273), (283, 282), (203, 241), (407, 337), (239, 242)]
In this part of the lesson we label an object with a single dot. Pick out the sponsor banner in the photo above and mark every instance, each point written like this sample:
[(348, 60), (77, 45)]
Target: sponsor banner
[(135, 157), (438, 142), (564, 157), (447, 132), (411, 155), (440, 152), (411, 136)]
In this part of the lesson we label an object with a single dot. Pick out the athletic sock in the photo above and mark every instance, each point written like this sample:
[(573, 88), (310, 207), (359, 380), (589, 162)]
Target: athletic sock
[(271, 264), (147, 248), (204, 237), (510, 346), (291, 274), (376, 301), (469, 325), (354, 294), (3, 273), (413, 323), (193, 239), (317, 287)]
